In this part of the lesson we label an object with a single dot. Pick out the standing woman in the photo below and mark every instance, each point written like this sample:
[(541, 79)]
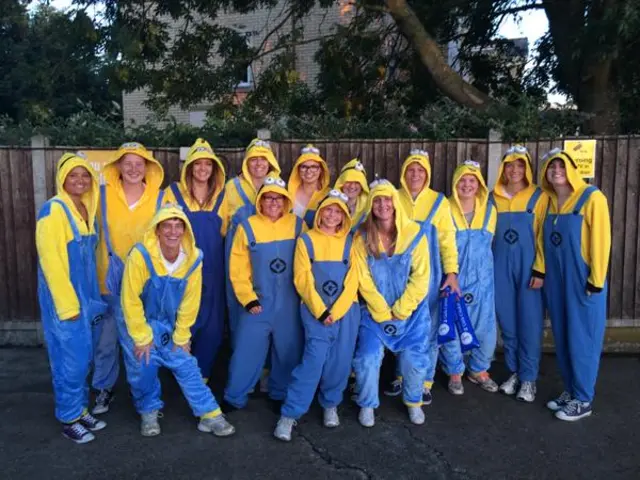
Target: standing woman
[(129, 199), (200, 193), (309, 183), (261, 270), (326, 277), (521, 208), (392, 255), (68, 291), (475, 221), (353, 183), (577, 242)]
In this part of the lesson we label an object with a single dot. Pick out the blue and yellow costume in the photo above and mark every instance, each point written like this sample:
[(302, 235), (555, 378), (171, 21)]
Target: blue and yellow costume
[(354, 171), (295, 182)]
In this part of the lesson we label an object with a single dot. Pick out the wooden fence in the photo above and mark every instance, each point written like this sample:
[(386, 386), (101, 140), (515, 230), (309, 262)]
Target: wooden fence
[(21, 169)]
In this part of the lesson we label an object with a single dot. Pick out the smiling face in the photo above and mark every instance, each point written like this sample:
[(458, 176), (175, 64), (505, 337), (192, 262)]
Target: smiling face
[(272, 205), (415, 176), (201, 170), (258, 167), (331, 217), (382, 208), (352, 189), (77, 182), (310, 172), (132, 169), (170, 233), (557, 173), (467, 187), (514, 172)]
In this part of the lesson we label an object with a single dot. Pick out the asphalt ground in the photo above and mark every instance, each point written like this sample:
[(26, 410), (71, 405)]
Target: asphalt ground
[(476, 436)]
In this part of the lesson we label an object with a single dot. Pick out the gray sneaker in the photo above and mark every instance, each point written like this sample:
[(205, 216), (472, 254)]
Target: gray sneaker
[(366, 417), (527, 392), (416, 415), (216, 425), (455, 386), (560, 402), (484, 380), (150, 427), (283, 429), (511, 385), (331, 418)]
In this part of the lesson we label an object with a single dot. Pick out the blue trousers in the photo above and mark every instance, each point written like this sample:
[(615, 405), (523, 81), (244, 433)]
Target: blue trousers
[(106, 357)]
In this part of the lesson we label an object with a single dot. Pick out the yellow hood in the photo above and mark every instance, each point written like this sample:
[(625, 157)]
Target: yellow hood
[(169, 210), (335, 197), (420, 157), (514, 153), (353, 172), (404, 225), (308, 153), (573, 177), (259, 148), (470, 167), (273, 183), (68, 162), (199, 150), (154, 174)]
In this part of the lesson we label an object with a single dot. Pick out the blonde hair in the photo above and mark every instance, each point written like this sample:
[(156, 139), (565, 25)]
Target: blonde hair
[(371, 230), (211, 183)]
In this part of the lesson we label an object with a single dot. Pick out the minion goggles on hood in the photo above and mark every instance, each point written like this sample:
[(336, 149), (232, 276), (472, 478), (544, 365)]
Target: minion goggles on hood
[(558, 152), (357, 166)]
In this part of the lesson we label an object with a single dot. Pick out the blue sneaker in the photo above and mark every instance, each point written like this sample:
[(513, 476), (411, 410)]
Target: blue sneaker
[(394, 388), (427, 398), (90, 422), (574, 411), (560, 402), (77, 433)]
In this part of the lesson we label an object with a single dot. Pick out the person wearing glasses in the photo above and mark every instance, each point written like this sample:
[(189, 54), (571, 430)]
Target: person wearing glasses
[(326, 277), (308, 183), (576, 240), (352, 181), (475, 222), (68, 291), (432, 211), (521, 208), (392, 255), (261, 270), (200, 193), (129, 198), (161, 292)]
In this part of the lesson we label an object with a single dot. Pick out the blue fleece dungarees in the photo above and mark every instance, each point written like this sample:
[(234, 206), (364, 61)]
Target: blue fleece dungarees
[(309, 216), (520, 309), (407, 338), (208, 330), (578, 320), (107, 349), (476, 282), (328, 349), (161, 297), (279, 322), (69, 342)]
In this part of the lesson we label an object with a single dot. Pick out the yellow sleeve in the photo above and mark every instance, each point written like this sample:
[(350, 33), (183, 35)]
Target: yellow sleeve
[(418, 285), (223, 213), (240, 272), (350, 293), (447, 238), (376, 304), (136, 275), (599, 223), (51, 244), (188, 309), (493, 219), (539, 213), (305, 282)]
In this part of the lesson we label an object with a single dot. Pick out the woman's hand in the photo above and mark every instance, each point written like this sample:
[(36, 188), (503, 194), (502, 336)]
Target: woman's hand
[(451, 281), (536, 283), (328, 320), (143, 351), (255, 310)]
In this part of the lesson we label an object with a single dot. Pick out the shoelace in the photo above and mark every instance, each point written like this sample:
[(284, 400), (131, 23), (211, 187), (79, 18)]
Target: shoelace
[(87, 417), (102, 396), (78, 429), (573, 406)]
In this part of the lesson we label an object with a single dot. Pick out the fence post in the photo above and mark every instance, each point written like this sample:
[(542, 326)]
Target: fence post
[(494, 153), (38, 145)]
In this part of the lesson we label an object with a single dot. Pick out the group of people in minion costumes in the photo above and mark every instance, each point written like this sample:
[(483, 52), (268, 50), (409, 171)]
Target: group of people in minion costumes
[(316, 283)]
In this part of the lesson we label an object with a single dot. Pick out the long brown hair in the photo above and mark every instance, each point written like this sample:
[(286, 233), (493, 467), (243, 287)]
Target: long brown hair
[(371, 230), (211, 183)]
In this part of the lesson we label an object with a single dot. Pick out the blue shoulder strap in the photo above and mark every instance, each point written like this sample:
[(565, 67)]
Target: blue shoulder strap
[(178, 195), (72, 222), (309, 244), (241, 192), (583, 199), (249, 232), (194, 266), (147, 259), (534, 199), (298, 226), (103, 211), (434, 208), (159, 201), (347, 249), (492, 200), (415, 241), (487, 215), (216, 207)]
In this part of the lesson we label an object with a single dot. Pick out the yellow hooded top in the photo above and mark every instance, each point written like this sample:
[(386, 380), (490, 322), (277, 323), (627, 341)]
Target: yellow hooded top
[(54, 232), (482, 200), (354, 171), (257, 148), (309, 153), (265, 231), (596, 227), (326, 248), (420, 208), (418, 284), (136, 275), (201, 149), (126, 225)]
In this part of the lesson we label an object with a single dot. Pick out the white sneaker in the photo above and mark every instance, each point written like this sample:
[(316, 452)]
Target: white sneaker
[(331, 419), (416, 415), (527, 392), (150, 427), (216, 425), (366, 417), (511, 385), (283, 429)]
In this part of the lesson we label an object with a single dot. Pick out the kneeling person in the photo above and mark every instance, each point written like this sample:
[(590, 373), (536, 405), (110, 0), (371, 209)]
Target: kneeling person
[(161, 293)]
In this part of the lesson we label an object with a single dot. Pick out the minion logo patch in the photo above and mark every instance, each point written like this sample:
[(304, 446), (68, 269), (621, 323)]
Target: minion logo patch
[(278, 266), (96, 320), (511, 236), (390, 329), (468, 298), (556, 239), (164, 339), (330, 288)]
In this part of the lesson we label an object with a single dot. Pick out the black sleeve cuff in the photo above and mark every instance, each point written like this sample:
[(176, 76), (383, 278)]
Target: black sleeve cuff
[(250, 305), (537, 274), (593, 289), (324, 316)]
